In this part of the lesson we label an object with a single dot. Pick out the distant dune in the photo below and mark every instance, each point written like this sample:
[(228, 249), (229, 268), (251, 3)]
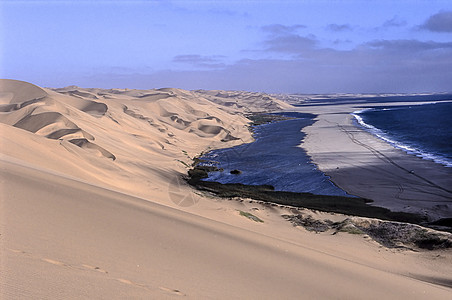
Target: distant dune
[(138, 129), (93, 206), (245, 101)]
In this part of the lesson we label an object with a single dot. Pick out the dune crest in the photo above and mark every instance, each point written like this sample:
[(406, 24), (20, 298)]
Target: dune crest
[(16, 91), (245, 101), (112, 134), (94, 202)]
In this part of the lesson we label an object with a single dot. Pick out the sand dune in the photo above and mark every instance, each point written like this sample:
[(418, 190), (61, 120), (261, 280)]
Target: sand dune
[(245, 101), (92, 206), (94, 243), (137, 129), (14, 91)]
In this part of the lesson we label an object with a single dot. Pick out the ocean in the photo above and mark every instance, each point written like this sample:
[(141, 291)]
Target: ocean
[(274, 158), (421, 130)]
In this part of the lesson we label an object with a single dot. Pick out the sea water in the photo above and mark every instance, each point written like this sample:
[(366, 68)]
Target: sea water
[(274, 158), (422, 130)]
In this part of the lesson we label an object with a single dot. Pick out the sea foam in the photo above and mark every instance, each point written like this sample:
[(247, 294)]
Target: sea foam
[(397, 144)]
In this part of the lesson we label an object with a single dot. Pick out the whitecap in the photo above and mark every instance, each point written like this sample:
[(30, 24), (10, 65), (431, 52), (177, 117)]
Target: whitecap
[(407, 148)]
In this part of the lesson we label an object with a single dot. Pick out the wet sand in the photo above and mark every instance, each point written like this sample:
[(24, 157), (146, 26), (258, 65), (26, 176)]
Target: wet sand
[(365, 166), (91, 207)]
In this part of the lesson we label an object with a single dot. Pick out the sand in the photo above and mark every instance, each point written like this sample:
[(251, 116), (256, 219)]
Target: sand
[(92, 206), (366, 166)]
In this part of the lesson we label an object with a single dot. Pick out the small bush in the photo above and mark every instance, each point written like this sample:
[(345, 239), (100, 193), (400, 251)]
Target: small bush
[(250, 216)]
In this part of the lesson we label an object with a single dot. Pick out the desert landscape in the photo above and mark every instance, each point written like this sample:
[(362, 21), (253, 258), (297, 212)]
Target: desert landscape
[(95, 203)]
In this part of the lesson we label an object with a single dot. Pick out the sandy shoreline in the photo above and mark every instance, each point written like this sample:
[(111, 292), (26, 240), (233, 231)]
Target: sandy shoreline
[(363, 165), (90, 208)]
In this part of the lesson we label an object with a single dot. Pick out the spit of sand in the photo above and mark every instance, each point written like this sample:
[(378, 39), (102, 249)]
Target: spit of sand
[(92, 206)]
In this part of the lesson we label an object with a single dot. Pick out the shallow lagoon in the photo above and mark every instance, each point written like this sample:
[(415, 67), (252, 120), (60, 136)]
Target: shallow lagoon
[(274, 158)]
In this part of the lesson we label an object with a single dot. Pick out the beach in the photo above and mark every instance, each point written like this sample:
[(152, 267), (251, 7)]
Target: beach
[(366, 166), (93, 204), (273, 159)]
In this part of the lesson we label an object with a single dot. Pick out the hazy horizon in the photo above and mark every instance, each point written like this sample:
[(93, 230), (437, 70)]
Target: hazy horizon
[(306, 47)]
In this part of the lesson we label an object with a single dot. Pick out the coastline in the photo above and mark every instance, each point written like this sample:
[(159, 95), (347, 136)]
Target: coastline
[(110, 217), (366, 166), (273, 159), (408, 146)]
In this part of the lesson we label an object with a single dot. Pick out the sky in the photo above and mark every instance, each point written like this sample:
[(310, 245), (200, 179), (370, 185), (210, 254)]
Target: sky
[(305, 46)]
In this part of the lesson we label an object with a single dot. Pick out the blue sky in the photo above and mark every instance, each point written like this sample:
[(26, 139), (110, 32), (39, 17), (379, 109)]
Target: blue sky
[(315, 46)]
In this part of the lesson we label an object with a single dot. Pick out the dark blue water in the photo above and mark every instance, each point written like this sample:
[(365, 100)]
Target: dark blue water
[(422, 130), (274, 158)]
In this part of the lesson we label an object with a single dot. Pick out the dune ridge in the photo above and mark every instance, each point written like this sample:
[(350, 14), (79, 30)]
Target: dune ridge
[(93, 206), (245, 101), (150, 128)]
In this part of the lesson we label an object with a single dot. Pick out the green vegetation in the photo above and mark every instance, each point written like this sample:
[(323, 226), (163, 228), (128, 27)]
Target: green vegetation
[(250, 216), (186, 154), (184, 163), (351, 229)]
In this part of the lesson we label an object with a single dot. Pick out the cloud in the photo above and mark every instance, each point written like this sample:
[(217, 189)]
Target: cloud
[(284, 39), (341, 42), (339, 27), (408, 45), (200, 61), (394, 22), (378, 66), (278, 29), (362, 70), (227, 12), (292, 44), (290, 62), (439, 22)]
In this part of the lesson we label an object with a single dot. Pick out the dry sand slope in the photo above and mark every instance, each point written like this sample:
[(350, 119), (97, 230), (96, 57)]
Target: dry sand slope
[(126, 139), (91, 208)]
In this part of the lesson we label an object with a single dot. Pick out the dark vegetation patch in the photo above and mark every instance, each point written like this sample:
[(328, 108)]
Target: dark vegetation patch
[(339, 204), (393, 234), (309, 223), (250, 216), (261, 118), (335, 204), (387, 233)]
